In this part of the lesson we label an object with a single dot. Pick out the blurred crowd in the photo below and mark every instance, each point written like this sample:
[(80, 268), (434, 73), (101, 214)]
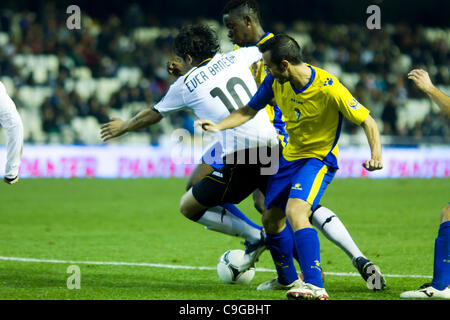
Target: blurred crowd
[(371, 63)]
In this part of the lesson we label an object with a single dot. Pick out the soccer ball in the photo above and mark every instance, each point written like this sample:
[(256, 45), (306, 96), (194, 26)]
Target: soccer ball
[(228, 268)]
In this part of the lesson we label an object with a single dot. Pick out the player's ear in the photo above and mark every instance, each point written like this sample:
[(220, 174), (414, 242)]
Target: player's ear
[(284, 65), (248, 21), (188, 59)]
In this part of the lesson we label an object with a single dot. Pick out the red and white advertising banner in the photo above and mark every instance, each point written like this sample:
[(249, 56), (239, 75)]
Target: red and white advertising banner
[(149, 162)]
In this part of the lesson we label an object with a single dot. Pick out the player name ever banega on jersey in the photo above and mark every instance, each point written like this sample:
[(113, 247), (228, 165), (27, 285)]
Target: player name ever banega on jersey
[(212, 70)]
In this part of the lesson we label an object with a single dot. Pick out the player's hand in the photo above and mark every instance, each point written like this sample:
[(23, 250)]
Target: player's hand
[(421, 79), (372, 165), (112, 129), (207, 125), (11, 181), (175, 68)]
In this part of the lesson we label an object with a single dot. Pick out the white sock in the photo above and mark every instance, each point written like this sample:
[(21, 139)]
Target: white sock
[(221, 220), (334, 230)]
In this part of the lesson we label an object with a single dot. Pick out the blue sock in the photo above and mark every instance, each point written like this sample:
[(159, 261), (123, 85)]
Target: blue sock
[(441, 272), (308, 250), (281, 246), (239, 214)]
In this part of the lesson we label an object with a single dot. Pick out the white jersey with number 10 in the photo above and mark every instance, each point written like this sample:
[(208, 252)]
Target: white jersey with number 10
[(216, 88)]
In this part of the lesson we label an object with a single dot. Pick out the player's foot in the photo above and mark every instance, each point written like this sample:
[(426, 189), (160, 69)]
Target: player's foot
[(275, 285), (370, 273), (307, 291), (11, 180), (427, 291), (252, 252)]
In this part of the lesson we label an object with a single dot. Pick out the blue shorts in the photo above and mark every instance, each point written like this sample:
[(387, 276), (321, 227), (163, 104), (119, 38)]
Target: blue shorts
[(213, 156), (304, 179)]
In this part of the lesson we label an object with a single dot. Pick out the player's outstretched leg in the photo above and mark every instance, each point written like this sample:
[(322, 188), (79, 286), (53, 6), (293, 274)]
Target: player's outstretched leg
[(228, 222), (255, 240), (227, 218), (334, 230), (440, 285)]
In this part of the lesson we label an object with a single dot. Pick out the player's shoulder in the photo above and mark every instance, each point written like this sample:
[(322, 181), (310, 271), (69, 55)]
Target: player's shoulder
[(177, 86), (182, 79), (324, 78), (245, 51), (326, 82)]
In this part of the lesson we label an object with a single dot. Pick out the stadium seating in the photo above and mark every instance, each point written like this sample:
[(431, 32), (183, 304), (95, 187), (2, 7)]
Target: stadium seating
[(108, 63)]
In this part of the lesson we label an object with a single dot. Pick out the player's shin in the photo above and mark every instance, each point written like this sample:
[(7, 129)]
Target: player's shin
[(281, 247), (307, 246), (334, 230), (222, 220), (294, 252)]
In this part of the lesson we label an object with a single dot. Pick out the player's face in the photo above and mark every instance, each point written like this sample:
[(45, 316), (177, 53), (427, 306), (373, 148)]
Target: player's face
[(278, 72), (237, 30)]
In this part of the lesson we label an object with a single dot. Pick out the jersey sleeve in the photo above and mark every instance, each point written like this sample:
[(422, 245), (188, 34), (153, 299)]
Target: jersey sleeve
[(249, 55), (264, 94), (347, 104), (173, 99)]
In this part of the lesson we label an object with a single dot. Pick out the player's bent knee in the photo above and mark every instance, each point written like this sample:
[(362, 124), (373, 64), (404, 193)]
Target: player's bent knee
[(185, 208), (445, 214), (273, 221), (298, 212), (189, 206)]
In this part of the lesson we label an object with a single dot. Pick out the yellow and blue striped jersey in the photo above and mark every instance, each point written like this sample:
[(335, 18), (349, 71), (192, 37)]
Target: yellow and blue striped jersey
[(274, 112), (313, 114)]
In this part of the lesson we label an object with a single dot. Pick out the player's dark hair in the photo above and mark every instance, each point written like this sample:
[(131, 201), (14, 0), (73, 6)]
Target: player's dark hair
[(239, 4), (198, 41), (282, 47)]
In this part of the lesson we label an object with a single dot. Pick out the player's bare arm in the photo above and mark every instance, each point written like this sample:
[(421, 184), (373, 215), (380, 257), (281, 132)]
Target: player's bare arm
[(235, 119), (423, 82), (117, 127), (373, 137)]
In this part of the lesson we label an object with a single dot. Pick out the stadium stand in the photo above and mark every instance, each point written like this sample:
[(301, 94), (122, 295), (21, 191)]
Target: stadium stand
[(67, 82)]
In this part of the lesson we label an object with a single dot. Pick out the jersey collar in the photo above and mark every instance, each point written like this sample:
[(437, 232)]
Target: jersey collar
[(198, 66), (313, 75), (263, 38)]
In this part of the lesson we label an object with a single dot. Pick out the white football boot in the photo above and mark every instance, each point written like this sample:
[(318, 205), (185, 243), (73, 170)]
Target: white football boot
[(252, 252), (307, 291), (275, 285), (428, 292)]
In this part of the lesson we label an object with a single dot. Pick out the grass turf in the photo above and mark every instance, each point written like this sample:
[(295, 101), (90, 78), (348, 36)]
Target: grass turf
[(394, 222)]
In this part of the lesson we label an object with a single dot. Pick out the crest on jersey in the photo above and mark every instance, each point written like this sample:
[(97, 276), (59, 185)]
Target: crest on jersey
[(354, 104)]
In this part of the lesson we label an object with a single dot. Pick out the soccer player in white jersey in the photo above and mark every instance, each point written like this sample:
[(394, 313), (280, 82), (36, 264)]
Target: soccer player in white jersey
[(214, 86), (11, 121)]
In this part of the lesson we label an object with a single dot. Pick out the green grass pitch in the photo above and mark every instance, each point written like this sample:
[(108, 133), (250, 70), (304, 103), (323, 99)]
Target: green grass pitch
[(394, 222)]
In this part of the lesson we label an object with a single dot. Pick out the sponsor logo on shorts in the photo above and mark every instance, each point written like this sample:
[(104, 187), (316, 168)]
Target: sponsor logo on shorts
[(217, 174), (297, 186)]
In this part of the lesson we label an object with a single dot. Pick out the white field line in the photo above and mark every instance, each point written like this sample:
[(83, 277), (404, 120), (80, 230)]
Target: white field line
[(169, 266)]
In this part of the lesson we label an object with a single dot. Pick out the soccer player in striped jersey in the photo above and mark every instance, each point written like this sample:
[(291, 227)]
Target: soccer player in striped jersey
[(313, 103), (242, 18), (11, 121)]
